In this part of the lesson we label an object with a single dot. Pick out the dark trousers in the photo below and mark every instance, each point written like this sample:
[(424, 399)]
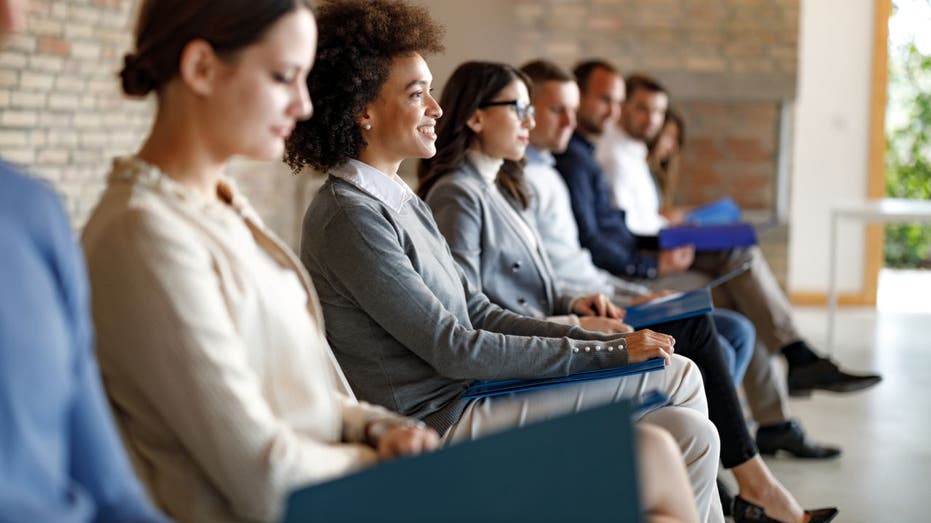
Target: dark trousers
[(697, 339)]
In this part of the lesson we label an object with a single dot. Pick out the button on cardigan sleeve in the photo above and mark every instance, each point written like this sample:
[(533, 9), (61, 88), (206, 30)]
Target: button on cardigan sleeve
[(170, 335), (361, 256)]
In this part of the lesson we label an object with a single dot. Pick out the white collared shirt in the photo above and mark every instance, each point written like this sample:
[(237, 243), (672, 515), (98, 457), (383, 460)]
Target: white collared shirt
[(390, 189), (624, 162), (572, 264)]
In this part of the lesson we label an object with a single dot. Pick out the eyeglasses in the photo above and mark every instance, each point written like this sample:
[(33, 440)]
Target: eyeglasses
[(523, 110)]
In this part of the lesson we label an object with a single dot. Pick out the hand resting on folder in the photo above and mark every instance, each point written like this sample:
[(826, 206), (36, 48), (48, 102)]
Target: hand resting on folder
[(679, 305), (645, 344)]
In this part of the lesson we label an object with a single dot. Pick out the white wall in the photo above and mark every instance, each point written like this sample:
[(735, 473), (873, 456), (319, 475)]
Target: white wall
[(830, 145)]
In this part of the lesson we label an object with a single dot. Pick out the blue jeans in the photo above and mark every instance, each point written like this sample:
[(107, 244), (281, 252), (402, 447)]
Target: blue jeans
[(738, 337)]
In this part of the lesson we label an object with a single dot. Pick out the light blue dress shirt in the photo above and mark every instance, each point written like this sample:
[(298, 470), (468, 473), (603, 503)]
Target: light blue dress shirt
[(61, 459)]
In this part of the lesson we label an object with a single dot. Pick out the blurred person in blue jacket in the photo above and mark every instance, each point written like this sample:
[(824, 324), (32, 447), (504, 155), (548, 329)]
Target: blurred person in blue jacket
[(61, 456)]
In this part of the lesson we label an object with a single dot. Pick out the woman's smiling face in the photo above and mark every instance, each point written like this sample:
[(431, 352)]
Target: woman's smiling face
[(403, 116)]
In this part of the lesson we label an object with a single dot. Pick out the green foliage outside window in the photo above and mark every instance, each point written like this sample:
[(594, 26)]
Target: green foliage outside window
[(908, 158)]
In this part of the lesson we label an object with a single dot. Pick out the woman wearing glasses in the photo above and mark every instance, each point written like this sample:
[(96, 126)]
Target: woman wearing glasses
[(407, 329), (470, 200)]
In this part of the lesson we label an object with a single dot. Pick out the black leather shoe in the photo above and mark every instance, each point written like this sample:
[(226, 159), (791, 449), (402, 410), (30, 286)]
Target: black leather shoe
[(825, 375), (727, 499), (790, 437), (746, 512)]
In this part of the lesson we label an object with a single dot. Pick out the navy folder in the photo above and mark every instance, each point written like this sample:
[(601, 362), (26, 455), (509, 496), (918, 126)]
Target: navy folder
[(670, 308), (708, 237), (482, 389), (574, 468)]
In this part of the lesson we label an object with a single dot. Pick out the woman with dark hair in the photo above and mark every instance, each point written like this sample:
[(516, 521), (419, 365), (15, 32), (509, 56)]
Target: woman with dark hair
[(492, 235), (209, 331), (406, 326), (663, 157), (485, 98)]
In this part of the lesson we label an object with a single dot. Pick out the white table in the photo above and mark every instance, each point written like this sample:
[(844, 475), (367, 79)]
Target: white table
[(886, 210)]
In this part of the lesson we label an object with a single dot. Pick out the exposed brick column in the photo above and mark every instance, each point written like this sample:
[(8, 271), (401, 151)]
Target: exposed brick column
[(61, 111)]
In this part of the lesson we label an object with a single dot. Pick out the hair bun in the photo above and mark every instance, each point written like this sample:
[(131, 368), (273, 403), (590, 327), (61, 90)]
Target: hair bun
[(137, 77)]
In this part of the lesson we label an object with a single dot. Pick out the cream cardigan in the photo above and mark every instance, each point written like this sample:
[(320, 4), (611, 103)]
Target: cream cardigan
[(212, 352)]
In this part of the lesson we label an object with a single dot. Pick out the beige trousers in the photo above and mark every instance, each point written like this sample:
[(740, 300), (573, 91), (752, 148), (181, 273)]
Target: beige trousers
[(755, 294), (686, 418)]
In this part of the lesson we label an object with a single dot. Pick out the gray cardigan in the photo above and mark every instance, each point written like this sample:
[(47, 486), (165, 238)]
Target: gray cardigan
[(490, 246), (408, 331)]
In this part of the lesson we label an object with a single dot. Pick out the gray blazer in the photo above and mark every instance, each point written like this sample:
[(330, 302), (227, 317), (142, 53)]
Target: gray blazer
[(407, 329), (491, 248)]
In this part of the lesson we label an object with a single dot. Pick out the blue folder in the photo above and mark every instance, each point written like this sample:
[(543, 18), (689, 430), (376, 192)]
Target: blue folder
[(670, 308), (708, 237), (716, 213), (483, 389), (574, 468)]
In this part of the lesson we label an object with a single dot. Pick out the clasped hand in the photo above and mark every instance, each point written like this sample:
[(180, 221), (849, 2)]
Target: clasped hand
[(393, 438)]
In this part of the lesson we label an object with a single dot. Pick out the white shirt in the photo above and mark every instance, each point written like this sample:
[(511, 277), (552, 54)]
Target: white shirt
[(552, 207), (390, 189), (624, 162)]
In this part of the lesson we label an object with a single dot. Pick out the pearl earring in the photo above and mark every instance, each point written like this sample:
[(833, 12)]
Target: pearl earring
[(367, 126)]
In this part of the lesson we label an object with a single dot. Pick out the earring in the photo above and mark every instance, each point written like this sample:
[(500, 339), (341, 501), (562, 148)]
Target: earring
[(367, 126)]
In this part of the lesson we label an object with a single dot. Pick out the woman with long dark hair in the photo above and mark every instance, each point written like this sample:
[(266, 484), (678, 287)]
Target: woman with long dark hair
[(505, 273)]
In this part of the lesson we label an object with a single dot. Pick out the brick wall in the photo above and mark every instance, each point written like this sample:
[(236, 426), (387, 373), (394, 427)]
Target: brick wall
[(727, 64), (731, 149), (702, 48), (61, 113)]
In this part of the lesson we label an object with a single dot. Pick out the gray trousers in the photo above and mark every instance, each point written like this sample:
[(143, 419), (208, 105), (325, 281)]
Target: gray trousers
[(686, 419), (755, 294)]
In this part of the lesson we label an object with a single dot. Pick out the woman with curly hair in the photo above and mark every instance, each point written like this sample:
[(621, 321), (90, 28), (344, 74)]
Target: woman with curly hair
[(209, 331), (409, 330)]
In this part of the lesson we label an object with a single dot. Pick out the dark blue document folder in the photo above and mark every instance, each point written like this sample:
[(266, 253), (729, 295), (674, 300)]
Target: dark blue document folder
[(574, 468), (483, 389), (670, 308), (708, 237)]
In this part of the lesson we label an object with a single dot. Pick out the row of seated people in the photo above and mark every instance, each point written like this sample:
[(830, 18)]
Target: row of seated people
[(228, 392), (210, 335)]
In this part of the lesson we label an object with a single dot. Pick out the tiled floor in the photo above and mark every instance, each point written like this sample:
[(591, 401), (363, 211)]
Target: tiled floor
[(884, 474)]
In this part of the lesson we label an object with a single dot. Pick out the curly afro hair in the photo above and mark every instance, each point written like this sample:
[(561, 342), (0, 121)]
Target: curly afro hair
[(358, 40)]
